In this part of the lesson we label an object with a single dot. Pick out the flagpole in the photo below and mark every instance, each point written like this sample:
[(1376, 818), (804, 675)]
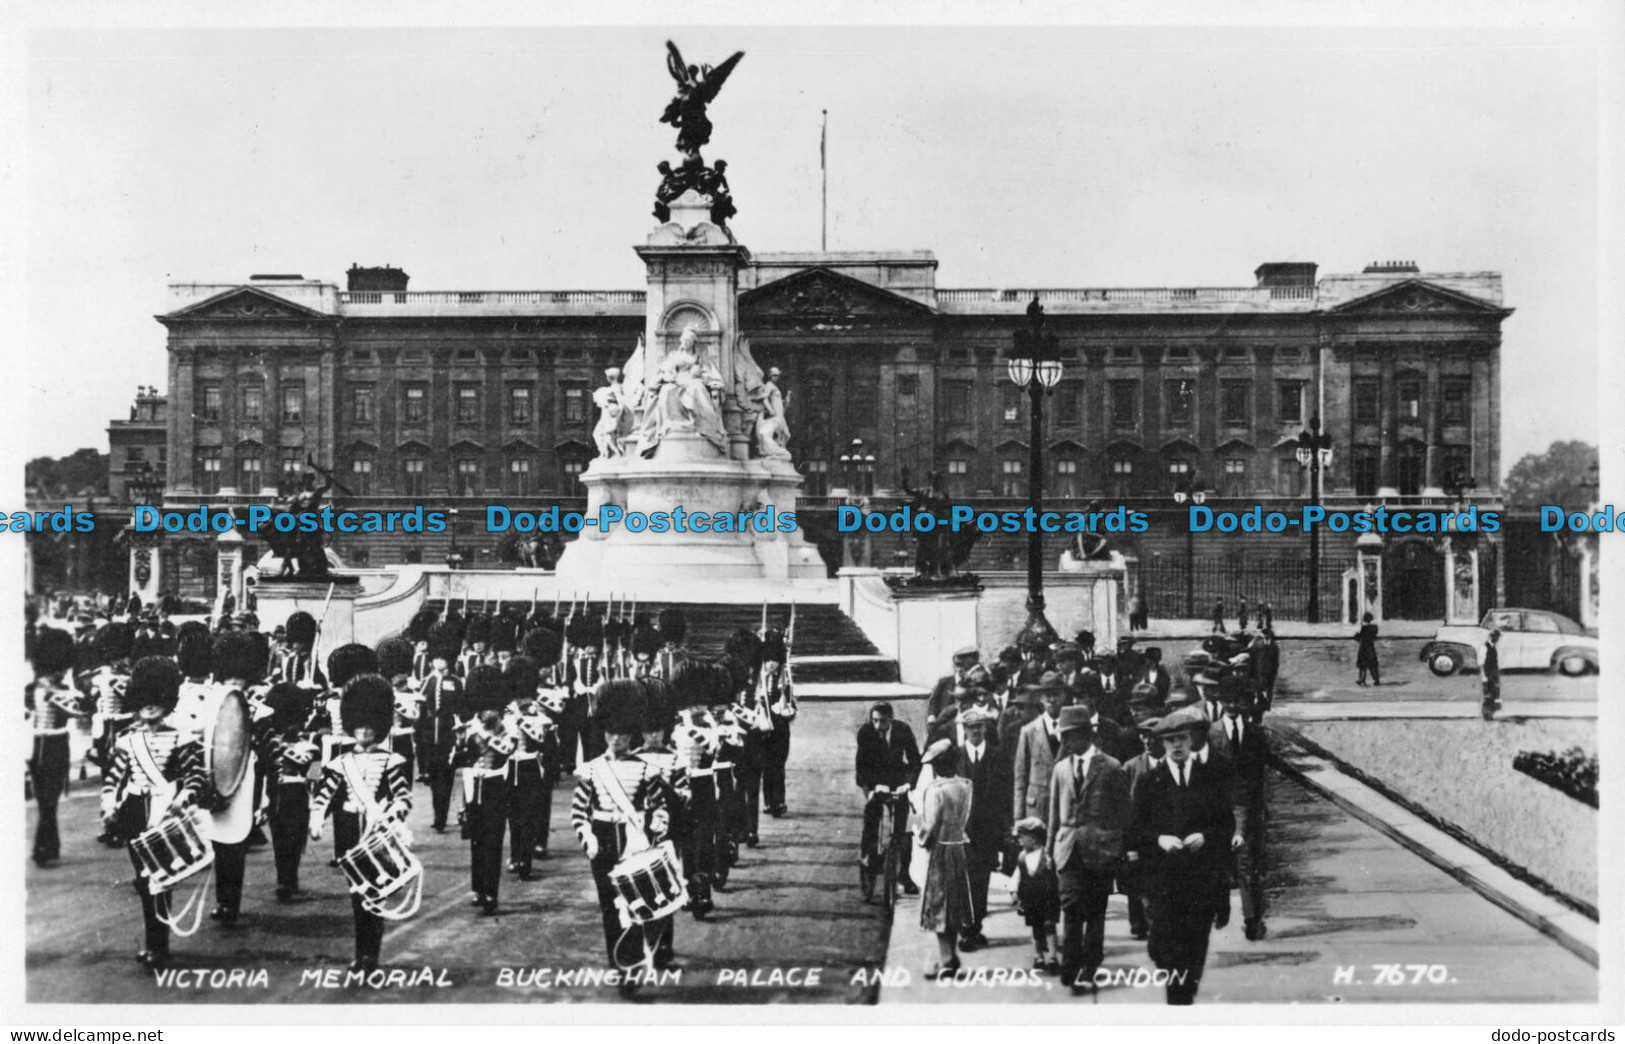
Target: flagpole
[(823, 168)]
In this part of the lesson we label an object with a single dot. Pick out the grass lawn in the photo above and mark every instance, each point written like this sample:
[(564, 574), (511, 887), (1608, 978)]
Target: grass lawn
[(1461, 772)]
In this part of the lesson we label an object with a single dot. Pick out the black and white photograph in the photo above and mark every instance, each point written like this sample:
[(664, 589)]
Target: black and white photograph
[(1043, 509)]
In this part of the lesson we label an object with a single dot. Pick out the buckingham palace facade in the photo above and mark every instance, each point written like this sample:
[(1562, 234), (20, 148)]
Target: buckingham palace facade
[(451, 398)]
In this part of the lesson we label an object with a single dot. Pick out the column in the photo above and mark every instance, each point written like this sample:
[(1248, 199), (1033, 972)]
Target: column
[(1432, 480), (182, 423), (1386, 480)]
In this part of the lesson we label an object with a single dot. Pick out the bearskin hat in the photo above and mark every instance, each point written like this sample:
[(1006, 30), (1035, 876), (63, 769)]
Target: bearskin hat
[(290, 706), (661, 714), (196, 655), (154, 680), (301, 628), (478, 629), (262, 642), (645, 640), (673, 625), (745, 647), (422, 621), (543, 645), (484, 689), (504, 634), (774, 650), (445, 641), (522, 676), (368, 700), (238, 655), (584, 630), (623, 706), (114, 642), (617, 633), (53, 650), (190, 628), (394, 657), (348, 661), (691, 686), (739, 673)]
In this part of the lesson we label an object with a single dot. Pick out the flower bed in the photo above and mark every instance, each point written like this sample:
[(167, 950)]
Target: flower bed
[(1461, 772)]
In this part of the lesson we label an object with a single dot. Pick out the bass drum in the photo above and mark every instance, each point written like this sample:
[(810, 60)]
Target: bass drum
[(227, 758)]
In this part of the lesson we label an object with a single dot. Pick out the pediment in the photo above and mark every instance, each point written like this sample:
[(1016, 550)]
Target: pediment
[(246, 303), (1416, 297), (821, 293)]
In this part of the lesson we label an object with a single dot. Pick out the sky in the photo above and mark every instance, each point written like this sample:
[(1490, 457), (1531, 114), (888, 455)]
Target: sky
[(524, 158)]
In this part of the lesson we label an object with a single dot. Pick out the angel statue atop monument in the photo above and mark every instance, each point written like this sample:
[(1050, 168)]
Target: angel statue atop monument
[(697, 87)]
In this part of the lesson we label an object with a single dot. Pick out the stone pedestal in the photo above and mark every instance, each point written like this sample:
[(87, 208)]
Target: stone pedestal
[(1367, 595), (146, 566), (228, 550), (280, 599), (1461, 584)]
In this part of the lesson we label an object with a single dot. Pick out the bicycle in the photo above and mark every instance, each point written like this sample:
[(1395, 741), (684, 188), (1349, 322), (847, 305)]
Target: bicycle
[(887, 855)]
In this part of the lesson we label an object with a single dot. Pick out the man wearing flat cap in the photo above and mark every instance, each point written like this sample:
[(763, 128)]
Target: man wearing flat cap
[(1037, 747), (942, 694), (1182, 830), (1087, 817), (989, 823)]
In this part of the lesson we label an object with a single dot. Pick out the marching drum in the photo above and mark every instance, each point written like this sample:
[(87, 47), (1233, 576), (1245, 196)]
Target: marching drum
[(226, 759), (379, 868), (174, 850), (648, 885)]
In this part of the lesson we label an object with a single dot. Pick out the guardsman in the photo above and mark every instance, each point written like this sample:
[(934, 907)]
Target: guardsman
[(584, 636), (239, 663), (157, 770), (484, 749), (395, 657), (288, 754), (531, 766), (695, 741), (362, 788), (343, 663), (657, 750), (645, 644), (438, 720), (619, 806), (417, 632), (113, 644), (743, 658), (298, 655), (777, 691), (51, 701), (673, 654)]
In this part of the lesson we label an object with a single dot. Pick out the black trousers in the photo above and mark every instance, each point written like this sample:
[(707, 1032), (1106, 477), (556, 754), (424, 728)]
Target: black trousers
[(748, 776), (983, 859), (1180, 925), (699, 842), (1084, 894), (289, 820), (49, 766), (401, 743), (1248, 861), (530, 812), (488, 827), (230, 866), (731, 795), (442, 777), (574, 725), (624, 946), (156, 939), (369, 932), (775, 755)]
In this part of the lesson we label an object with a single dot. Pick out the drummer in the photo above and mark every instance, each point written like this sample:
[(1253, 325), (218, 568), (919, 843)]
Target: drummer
[(485, 749), (239, 663), (657, 750), (367, 709), (531, 768), (157, 770), (604, 785)]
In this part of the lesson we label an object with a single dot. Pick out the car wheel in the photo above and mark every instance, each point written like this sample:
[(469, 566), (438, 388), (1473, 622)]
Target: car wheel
[(1444, 663), (1573, 666)]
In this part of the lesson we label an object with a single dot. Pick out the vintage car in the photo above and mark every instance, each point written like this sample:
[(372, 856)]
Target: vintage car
[(1531, 639)]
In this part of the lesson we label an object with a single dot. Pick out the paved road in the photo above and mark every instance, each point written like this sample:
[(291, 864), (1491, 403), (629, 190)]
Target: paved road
[(792, 904), (1342, 900)]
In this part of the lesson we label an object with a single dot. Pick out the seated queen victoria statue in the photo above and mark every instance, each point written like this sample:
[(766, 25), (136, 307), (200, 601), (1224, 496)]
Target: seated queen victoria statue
[(682, 404)]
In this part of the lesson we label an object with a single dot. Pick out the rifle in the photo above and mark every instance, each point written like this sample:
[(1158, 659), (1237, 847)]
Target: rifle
[(317, 640)]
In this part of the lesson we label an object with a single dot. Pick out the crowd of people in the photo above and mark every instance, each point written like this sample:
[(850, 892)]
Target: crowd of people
[(1081, 774), (673, 756)]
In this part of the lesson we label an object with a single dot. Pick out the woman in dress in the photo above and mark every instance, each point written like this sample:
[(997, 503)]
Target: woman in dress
[(945, 907)]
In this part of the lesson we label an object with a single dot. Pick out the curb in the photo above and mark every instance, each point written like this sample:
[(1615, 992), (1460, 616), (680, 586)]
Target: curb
[(1568, 928)]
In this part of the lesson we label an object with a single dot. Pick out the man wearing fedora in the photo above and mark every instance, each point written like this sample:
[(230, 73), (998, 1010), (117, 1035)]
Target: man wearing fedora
[(1182, 829), (1037, 746), (1088, 818), (988, 827)]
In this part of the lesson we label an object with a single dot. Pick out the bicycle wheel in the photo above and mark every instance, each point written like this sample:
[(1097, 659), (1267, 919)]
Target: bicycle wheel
[(866, 879), (892, 873)]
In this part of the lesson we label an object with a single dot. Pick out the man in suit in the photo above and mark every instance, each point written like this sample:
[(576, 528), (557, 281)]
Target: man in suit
[(1238, 737), (1155, 674), (1131, 878), (988, 828), (1082, 680), (887, 757), (1037, 746), (1088, 819), (1181, 830), (1266, 667), (942, 694)]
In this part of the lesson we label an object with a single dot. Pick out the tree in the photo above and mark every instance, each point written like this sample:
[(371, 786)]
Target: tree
[(1564, 475), (84, 471)]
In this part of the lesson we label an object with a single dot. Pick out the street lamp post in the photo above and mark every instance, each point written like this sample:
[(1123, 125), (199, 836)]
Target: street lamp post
[(1314, 453), (1035, 364), (454, 558), (1191, 490), (859, 468)]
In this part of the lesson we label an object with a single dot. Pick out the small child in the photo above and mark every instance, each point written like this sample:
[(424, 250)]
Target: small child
[(1038, 892)]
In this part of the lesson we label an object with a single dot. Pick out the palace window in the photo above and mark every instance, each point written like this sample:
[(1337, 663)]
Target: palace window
[(1011, 473), (1233, 403), (468, 405), (1367, 401), (293, 463), (1364, 466), (1122, 478), (1181, 394), (249, 470), (414, 474), (1066, 478), (361, 401), (518, 478), (1291, 478), (210, 399), (1010, 403), (1456, 463), (575, 405), (519, 406), (957, 402), (1233, 477), (571, 465), (208, 470), (134, 454), (415, 405), (816, 473), (1125, 396), (1068, 404), (958, 477), (1410, 400), (468, 477), (293, 403), (253, 404), (1290, 396), (1453, 406), (1410, 465), (908, 385), (361, 477)]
